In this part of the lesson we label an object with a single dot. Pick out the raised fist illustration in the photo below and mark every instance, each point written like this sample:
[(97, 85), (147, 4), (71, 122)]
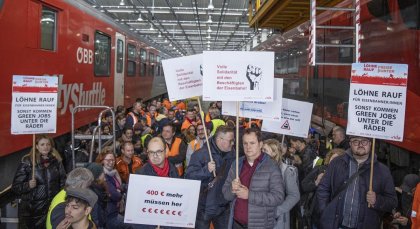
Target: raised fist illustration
[(254, 76)]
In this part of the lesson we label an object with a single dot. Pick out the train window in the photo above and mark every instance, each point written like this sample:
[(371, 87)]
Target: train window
[(102, 54), (120, 56), (143, 55), (410, 13), (143, 67), (151, 57), (48, 29), (152, 69), (379, 9), (131, 60), (143, 60)]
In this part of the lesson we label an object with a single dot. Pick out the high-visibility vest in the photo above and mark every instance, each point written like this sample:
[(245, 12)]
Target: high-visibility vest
[(185, 125), (174, 151), (143, 139), (216, 123), (195, 145)]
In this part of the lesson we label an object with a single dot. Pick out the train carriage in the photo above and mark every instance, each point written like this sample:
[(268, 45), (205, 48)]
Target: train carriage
[(98, 62)]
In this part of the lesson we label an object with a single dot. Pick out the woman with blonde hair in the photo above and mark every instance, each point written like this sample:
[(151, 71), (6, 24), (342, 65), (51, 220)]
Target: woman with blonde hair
[(273, 148), (37, 193)]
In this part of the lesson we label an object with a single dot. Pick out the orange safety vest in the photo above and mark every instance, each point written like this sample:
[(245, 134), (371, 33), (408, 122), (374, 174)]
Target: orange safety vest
[(174, 151), (195, 145), (185, 125), (122, 167), (208, 118), (181, 106), (167, 104)]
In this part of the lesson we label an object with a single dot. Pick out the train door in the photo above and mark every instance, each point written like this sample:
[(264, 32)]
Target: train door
[(119, 70)]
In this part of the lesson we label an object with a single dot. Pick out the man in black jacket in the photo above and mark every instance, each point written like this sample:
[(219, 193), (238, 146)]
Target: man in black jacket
[(344, 200), (212, 207)]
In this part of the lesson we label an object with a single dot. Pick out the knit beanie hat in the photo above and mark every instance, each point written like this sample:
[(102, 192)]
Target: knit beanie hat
[(96, 169)]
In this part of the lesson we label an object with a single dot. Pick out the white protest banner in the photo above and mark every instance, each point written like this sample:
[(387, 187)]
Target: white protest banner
[(238, 76), (184, 76), (377, 100), (295, 119), (34, 104), (258, 110), (162, 201)]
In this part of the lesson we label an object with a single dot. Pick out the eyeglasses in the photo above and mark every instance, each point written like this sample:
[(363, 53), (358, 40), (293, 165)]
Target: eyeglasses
[(358, 142), (109, 160), (156, 153), (230, 141)]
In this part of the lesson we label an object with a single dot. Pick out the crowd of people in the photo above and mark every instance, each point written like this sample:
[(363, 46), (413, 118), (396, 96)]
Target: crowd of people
[(282, 182)]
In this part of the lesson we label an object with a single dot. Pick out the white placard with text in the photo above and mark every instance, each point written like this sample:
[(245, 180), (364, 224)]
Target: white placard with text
[(238, 76), (295, 119), (184, 76), (34, 104), (162, 201), (258, 110), (377, 100)]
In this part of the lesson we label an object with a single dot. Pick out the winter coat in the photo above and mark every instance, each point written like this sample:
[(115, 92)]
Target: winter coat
[(115, 189), (266, 192), (211, 200), (290, 177), (308, 156), (337, 173), (34, 203)]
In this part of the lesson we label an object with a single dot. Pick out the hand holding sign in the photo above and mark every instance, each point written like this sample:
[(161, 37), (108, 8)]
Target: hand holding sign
[(254, 76)]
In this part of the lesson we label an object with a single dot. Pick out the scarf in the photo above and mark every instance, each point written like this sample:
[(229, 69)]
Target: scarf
[(162, 172)]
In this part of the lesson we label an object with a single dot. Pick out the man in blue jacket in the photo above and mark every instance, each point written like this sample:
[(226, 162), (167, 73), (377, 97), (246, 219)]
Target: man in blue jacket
[(212, 207), (344, 200)]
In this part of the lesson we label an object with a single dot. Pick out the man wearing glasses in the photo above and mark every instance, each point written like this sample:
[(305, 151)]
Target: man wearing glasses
[(344, 199), (158, 164), (212, 207)]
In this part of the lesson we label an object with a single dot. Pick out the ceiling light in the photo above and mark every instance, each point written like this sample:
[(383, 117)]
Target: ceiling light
[(210, 7), (208, 36), (209, 30), (170, 44), (166, 40), (139, 19), (151, 27), (208, 42), (122, 3), (160, 35), (208, 49), (209, 21)]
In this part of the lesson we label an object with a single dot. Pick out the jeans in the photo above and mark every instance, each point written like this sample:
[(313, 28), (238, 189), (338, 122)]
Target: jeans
[(219, 222)]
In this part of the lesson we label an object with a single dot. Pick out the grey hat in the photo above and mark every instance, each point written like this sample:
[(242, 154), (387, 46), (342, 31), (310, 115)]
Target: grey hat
[(409, 182), (83, 194), (96, 169)]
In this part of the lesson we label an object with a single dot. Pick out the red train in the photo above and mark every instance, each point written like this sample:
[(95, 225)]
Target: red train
[(98, 62), (390, 34)]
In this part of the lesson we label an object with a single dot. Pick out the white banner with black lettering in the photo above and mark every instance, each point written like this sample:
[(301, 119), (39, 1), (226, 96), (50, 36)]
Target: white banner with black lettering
[(238, 76), (34, 104), (377, 100), (184, 76), (162, 201), (295, 119), (258, 110)]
